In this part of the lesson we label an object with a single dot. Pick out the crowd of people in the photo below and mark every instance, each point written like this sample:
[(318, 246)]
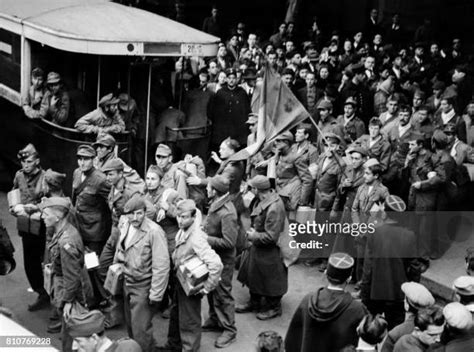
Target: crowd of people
[(389, 139)]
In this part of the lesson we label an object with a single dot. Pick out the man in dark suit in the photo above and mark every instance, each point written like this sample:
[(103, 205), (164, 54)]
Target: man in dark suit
[(373, 26), (310, 94)]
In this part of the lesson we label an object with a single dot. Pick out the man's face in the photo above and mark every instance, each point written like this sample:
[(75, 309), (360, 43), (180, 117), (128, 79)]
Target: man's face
[(417, 101), (282, 28), (302, 73), (404, 117), (431, 335), (231, 81), (85, 163), (310, 79), (331, 146), (252, 40), (324, 73), (111, 109), (456, 44), (445, 106), (358, 37), (85, 344), (214, 12), (347, 45), (349, 110), (357, 159), (378, 39), (163, 161), (470, 109), (369, 177), (392, 106), (222, 78), (287, 79), (291, 27), (203, 79), (37, 81), (300, 135), (434, 49), (272, 59), (374, 131), (30, 164), (222, 52), (296, 60), (290, 46), (422, 115), (281, 144), (225, 151), (213, 68), (136, 217), (323, 113), (374, 14), (185, 220), (152, 181), (234, 40), (103, 151), (113, 177), (419, 51), (397, 62), (413, 147), (54, 87), (49, 217), (369, 63)]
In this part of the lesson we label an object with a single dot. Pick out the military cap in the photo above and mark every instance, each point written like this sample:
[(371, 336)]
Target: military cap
[(231, 71), (357, 69), (395, 203), (450, 128), (86, 151), (156, 170), (440, 136), (351, 101), (250, 73), (55, 202), (339, 267), (185, 205), (26, 152), (285, 136), (54, 178), (163, 150), (108, 100), (417, 295), (260, 182), (313, 56), (112, 165), (333, 136), (53, 77), (464, 285), (439, 85), (220, 183), (137, 202), (457, 316), (324, 105), (85, 324), (371, 162), (358, 149), (106, 140), (253, 118)]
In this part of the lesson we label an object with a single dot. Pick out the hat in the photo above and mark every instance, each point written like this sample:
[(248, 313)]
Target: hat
[(253, 118), (417, 295), (371, 162), (112, 165), (457, 316), (135, 203), (324, 105), (85, 324), (53, 178), (155, 169), (55, 202), (231, 71), (439, 85), (333, 136), (163, 150), (86, 151), (106, 140), (53, 77), (285, 136), (313, 56), (108, 100), (395, 203), (185, 205), (351, 101), (358, 149), (339, 267), (357, 69), (250, 73), (220, 183), (440, 136), (464, 285), (26, 152), (260, 182), (450, 128)]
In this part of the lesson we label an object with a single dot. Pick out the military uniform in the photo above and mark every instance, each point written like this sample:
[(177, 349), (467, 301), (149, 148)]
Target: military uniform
[(98, 121), (328, 178), (59, 112), (379, 150), (353, 128)]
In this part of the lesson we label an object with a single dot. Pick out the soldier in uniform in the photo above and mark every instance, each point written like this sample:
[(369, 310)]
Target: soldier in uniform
[(302, 147), (354, 127), (293, 180), (67, 257), (30, 183), (263, 272), (327, 123), (105, 119), (56, 104), (222, 230), (172, 177), (32, 101), (142, 249)]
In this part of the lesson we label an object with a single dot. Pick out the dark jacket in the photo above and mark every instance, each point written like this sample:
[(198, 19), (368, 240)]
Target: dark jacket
[(327, 182), (324, 321), (398, 331)]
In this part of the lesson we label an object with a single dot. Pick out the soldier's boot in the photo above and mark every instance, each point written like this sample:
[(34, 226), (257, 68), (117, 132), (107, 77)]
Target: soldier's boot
[(225, 340)]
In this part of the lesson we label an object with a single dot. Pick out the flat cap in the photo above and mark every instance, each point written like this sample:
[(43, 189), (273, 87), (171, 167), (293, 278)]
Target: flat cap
[(464, 285), (371, 162), (185, 205), (163, 150), (55, 202), (395, 203), (106, 140), (417, 295), (339, 267), (231, 71), (285, 136), (156, 170), (357, 149), (137, 202), (108, 100), (86, 150), (54, 178), (253, 118), (335, 137), (440, 136), (324, 105), (85, 324), (53, 77), (260, 182), (351, 101), (112, 165), (450, 128), (220, 183), (457, 316), (26, 152)]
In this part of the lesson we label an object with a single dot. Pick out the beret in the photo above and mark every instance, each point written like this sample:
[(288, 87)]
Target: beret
[(185, 205), (417, 295), (220, 183), (457, 316), (260, 182), (112, 165), (163, 150), (85, 324), (55, 202), (105, 139), (285, 136), (371, 162), (464, 285), (54, 178), (26, 152), (86, 150), (53, 77), (137, 202), (449, 128), (324, 105), (339, 266), (395, 203)]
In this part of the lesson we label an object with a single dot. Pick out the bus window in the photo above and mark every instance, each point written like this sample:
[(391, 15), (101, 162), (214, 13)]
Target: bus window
[(10, 59)]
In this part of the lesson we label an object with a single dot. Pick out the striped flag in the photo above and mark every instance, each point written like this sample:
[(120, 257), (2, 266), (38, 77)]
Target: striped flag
[(278, 111)]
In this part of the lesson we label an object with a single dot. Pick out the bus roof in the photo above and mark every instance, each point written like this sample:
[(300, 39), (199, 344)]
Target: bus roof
[(104, 28)]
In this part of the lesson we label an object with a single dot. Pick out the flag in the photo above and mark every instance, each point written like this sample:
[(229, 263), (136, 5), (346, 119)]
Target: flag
[(278, 111)]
